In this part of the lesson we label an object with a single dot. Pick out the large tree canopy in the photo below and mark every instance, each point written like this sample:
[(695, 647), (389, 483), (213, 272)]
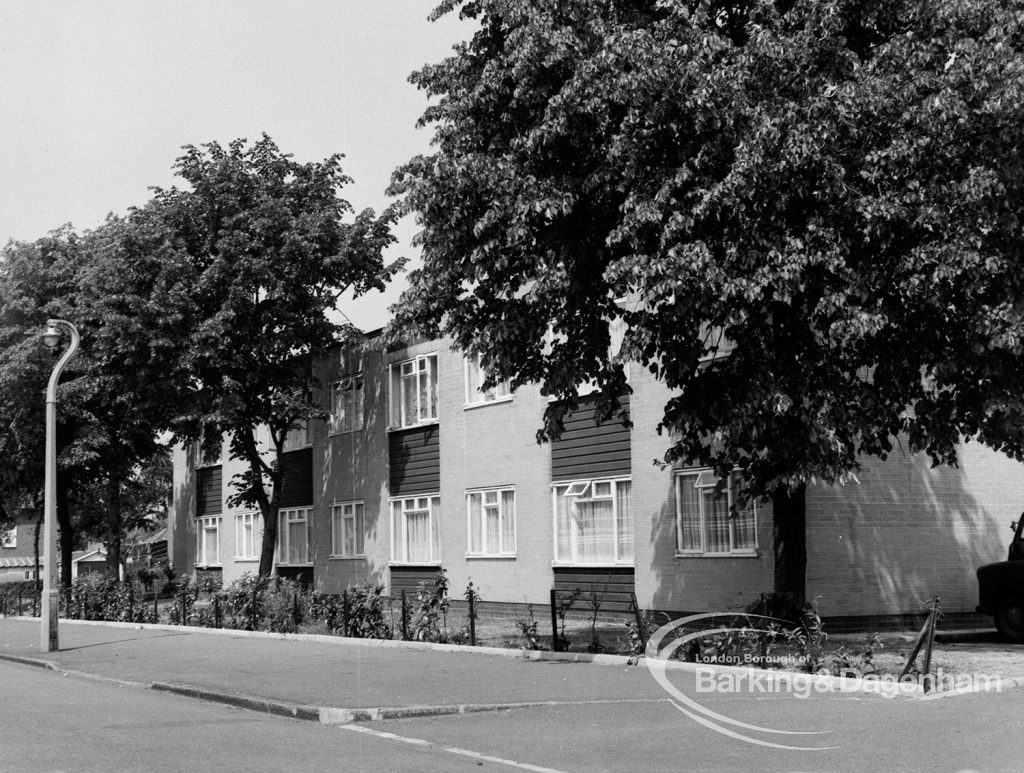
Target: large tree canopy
[(259, 253), (833, 185)]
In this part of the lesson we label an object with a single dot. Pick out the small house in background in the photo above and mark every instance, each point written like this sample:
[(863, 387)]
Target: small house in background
[(17, 550), (91, 561)]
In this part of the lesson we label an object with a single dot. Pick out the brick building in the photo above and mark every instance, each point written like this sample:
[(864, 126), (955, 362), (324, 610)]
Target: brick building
[(417, 469)]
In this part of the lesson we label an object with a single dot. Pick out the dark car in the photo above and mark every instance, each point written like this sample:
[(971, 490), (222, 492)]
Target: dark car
[(1001, 588)]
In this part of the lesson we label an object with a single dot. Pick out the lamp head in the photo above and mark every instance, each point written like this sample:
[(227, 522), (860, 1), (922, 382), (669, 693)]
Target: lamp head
[(51, 336)]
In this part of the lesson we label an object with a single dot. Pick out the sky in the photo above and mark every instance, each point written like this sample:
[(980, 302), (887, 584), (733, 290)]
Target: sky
[(97, 97)]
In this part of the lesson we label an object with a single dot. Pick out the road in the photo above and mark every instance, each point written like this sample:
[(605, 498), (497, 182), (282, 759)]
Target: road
[(50, 722)]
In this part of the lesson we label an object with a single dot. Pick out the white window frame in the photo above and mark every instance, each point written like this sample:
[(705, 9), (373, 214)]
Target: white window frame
[(247, 536), (298, 437), (346, 516), (590, 490), (286, 516), (208, 527), (704, 479), (347, 415), (399, 510), (418, 369), (9, 538), (475, 397), (506, 515)]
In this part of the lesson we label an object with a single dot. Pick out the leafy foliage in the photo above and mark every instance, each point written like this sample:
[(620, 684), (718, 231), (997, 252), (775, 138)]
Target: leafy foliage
[(828, 190), (258, 255)]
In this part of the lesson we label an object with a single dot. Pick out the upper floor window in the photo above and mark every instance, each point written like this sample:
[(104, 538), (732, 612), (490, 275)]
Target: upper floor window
[(347, 404), (705, 522), (475, 377), (492, 522), (298, 437), (593, 522), (9, 537), (414, 391)]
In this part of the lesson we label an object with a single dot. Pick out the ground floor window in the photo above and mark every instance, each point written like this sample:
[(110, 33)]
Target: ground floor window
[(347, 530), (246, 540), (293, 536), (593, 522), (415, 530), (707, 519), (208, 541), (492, 522)]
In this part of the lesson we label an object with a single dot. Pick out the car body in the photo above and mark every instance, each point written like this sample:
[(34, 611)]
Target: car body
[(1001, 587)]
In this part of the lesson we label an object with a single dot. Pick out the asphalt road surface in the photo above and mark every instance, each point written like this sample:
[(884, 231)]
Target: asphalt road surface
[(49, 722)]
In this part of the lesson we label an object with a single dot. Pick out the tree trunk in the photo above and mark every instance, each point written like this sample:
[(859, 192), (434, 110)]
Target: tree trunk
[(789, 529), (35, 546), (67, 533), (269, 540), (113, 528)]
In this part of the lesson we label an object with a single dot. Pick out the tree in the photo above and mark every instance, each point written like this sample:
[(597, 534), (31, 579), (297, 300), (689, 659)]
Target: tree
[(829, 192), (260, 257)]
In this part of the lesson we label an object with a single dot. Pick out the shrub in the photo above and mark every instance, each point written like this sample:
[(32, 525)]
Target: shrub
[(366, 612)]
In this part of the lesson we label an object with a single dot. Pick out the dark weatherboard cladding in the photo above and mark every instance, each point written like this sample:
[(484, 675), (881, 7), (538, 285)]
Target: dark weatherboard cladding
[(298, 478), (415, 460), (208, 490), (586, 450)]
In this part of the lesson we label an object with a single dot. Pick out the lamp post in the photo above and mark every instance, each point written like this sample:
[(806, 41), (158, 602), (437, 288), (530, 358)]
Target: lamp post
[(51, 337)]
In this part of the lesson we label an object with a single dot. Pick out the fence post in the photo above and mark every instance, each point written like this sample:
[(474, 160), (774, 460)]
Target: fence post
[(184, 608), (405, 619), (19, 601), (156, 609), (295, 609), (554, 621), (252, 610), (216, 612), (471, 598), (34, 604), (641, 630), (131, 601), (344, 612)]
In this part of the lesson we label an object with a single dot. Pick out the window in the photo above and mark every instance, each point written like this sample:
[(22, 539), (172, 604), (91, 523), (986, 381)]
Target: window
[(414, 391), (347, 404), (415, 537), (9, 538), (715, 344), (293, 536), (347, 530), (208, 541), (593, 522), (475, 377), (492, 522), (705, 522), (246, 536), (298, 437)]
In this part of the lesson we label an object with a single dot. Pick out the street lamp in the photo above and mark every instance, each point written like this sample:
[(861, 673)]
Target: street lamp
[(51, 337)]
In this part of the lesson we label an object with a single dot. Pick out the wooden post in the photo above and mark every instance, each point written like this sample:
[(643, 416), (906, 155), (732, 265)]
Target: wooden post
[(405, 619), (216, 612), (252, 610), (156, 608), (184, 609), (641, 630), (932, 620), (555, 645), (344, 613), (471, 598), (131, 601), (19, 601)]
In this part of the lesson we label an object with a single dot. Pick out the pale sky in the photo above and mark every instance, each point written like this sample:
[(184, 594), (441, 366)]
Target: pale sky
[(98, 96)]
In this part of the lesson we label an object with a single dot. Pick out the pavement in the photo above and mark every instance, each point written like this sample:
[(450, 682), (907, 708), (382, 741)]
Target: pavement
[(330, 679)]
